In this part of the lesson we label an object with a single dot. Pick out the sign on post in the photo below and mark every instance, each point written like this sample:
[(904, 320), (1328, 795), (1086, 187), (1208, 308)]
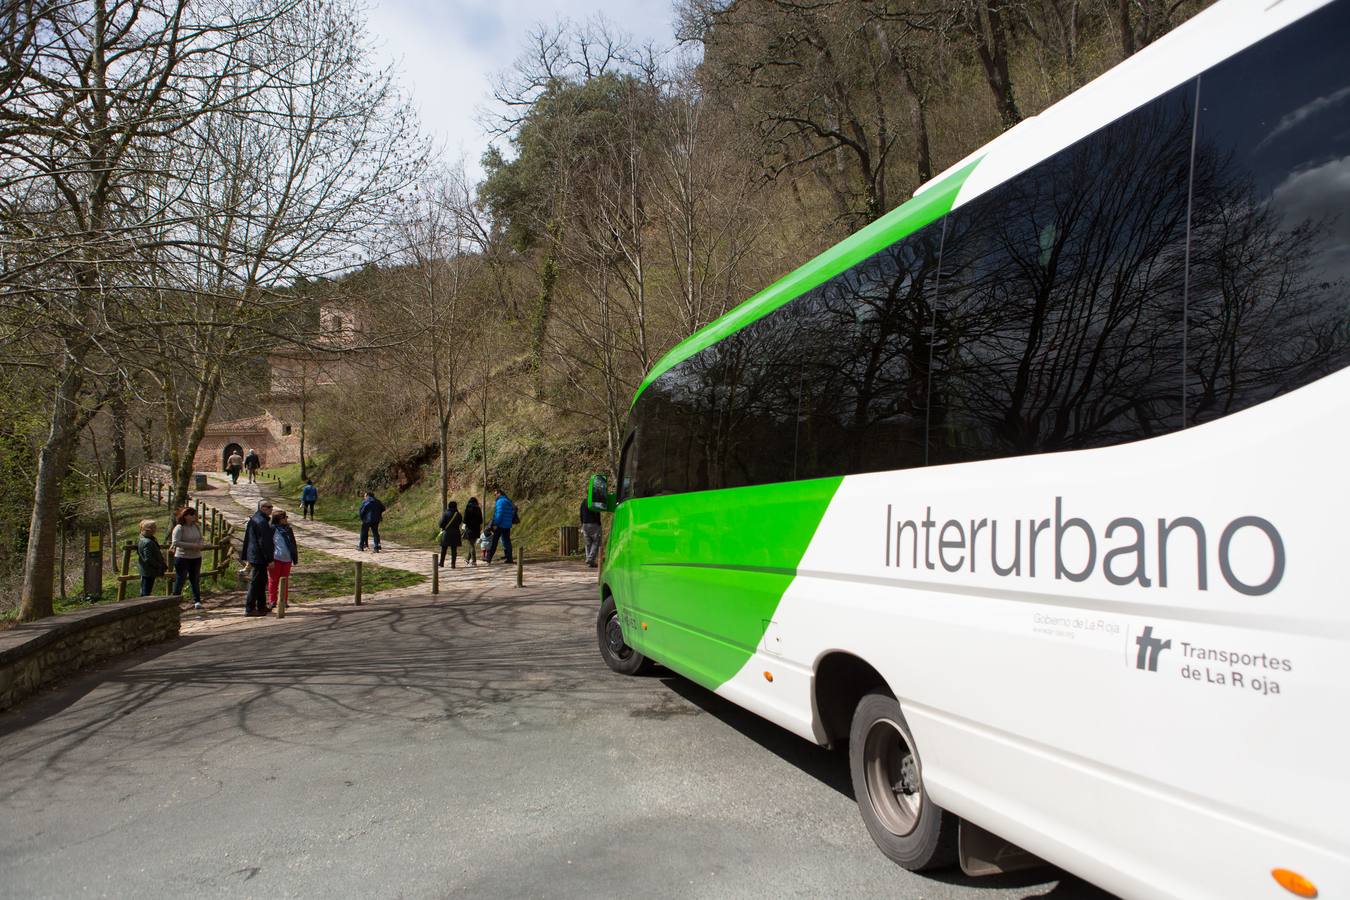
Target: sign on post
[(93, 565)]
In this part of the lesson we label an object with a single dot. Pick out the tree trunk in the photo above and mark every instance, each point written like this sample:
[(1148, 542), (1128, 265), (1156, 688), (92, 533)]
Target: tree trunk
[(304, 410), (35, 600), (991, 43), (445, 461), (118, 409), (548, 278), (204, 402)]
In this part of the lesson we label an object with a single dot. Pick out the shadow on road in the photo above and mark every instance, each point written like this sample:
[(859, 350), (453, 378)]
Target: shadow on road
[(826, 766), (451, 661), (830, 767)]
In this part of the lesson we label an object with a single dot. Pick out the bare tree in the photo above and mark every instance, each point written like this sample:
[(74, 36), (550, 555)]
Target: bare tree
[(99, 89)]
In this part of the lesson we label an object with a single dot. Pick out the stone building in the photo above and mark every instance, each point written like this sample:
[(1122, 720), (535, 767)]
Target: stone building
[(275, 432)]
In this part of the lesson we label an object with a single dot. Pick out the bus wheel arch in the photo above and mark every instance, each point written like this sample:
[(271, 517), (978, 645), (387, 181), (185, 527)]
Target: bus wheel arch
[(614, 650), (841, 681), (855, 704)]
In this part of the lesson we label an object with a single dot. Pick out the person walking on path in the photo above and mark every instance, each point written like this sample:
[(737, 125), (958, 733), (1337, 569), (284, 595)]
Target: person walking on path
[(591, 531), (503, 518), (285, 554), (187, 543), (309, 495), (371, 512), (233, 465), (473, 527), (451, 521), (252, 463), (256, 551), (149, 557)]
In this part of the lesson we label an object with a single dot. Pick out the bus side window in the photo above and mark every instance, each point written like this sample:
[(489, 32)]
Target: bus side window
[(1059, 320), (1270, 231)]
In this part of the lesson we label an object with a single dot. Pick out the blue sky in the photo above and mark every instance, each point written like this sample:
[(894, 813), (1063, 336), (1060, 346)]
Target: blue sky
[(447, 52)]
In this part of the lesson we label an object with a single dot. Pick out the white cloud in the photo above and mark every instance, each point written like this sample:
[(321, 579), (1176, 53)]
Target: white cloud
[(1292, 120), (447, 53)]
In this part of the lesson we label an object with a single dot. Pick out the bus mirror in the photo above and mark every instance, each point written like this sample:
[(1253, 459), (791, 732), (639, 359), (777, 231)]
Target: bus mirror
[(597, 494)]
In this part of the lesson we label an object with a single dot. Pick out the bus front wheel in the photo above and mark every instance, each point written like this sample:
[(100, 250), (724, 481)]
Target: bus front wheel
[(613, 649), (888, 782)]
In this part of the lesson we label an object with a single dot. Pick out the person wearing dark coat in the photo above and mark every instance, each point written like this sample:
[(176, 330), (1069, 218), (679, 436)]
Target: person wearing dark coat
[(257, 550), (473, 527), (149, 558), (451, 521), (371, 512)]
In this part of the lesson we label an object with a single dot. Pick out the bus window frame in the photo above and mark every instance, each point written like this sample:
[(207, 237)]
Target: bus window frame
[(622, 489)]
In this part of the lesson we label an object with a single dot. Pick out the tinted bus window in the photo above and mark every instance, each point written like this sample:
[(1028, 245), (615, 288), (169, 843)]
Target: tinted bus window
[(1270, 232), (726, 417), (1060, 320), (864, 341)]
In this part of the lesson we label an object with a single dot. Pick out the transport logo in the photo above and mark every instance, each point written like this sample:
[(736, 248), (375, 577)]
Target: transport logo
[(1150, 648)]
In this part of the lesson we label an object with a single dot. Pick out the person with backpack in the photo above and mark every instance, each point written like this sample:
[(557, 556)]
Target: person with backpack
[(309, 495), (504, 517), (473, 527), (285, 554), (252, 463), (149, 558), (371, 512), (451, 522)]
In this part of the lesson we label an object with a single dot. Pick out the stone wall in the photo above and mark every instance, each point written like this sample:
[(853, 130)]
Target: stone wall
[(38, 653)]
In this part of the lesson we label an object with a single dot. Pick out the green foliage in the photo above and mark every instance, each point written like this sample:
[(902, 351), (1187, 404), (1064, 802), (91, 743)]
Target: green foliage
[(22, 420), (570, 125)]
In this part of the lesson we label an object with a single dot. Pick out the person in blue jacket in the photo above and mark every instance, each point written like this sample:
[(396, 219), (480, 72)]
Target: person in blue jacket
[(503, 517), (309, 495), (372, 510)]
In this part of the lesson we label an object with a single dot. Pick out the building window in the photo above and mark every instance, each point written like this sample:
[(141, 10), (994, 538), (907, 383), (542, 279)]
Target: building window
[(285, 429)]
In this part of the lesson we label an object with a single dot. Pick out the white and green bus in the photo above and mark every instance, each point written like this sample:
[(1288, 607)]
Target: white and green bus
[(1034, 491)]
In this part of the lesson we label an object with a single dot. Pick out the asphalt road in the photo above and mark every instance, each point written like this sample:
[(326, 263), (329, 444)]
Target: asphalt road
[(471, 745)]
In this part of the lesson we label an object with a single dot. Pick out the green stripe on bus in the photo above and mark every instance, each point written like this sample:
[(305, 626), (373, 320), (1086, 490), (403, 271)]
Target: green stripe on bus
[(706, 620), (905, 219)]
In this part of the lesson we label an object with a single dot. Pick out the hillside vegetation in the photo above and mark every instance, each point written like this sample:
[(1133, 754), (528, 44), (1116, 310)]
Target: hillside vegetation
[(446, 335)]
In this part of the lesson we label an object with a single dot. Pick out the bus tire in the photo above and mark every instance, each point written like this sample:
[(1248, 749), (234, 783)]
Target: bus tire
[(883, 760), (616, 653)]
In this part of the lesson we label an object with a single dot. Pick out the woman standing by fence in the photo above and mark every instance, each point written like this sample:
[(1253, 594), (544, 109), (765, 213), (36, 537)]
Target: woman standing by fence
[(186, 542)]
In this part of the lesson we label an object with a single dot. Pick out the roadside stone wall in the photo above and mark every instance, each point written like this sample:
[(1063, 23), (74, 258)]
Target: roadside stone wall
[(38, 653)]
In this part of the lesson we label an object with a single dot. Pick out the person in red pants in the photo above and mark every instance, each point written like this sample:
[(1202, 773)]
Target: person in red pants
[(285, 554)]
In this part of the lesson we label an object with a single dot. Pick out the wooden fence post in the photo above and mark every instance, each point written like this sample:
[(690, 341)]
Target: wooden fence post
[(283, 591), (520, 566), (358, 584), (126, 570), (435, 574)]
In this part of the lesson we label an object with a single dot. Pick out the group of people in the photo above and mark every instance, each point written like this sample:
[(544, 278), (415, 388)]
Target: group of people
[(249, 462), (268, 552), (185, 543), (457, 528), (269, 549)]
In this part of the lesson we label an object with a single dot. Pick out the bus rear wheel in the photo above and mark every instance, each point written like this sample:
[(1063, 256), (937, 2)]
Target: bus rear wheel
[(888, 782), (613, 649)]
